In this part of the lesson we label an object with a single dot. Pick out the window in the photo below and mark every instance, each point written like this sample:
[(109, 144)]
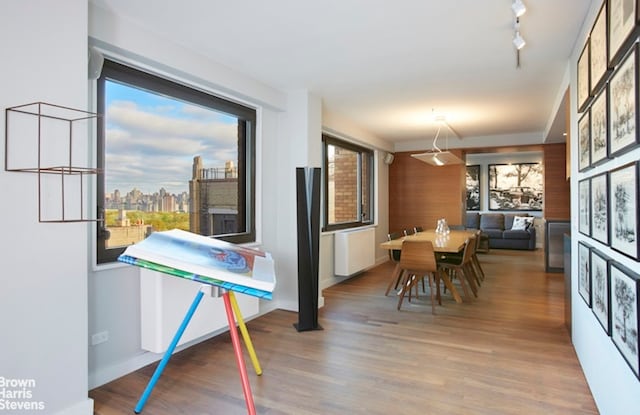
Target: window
[(171, 156), (348, 184)]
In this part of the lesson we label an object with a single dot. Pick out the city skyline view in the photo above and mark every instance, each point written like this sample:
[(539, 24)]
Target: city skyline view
[(151, 140)]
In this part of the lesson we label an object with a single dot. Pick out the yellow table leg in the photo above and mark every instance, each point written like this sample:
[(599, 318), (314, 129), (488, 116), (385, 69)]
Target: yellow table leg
[(245, 334)]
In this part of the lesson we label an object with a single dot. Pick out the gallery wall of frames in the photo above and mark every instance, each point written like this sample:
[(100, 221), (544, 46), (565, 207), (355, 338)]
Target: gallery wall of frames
[(608, 170)]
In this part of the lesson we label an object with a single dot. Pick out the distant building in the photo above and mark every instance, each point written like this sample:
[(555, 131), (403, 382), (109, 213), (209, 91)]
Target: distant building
[(213, 195), (125, 233)]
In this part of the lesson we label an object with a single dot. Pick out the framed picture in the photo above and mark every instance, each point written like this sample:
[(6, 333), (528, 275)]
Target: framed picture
[(584, 274), (584, 141), (621, 25), (624, 314), (623, 105), (598, 50), (473, 187), (600, 208), (623, 198), (599, 130), (584, 205), (516, 186), (600, 289), (583, 78)]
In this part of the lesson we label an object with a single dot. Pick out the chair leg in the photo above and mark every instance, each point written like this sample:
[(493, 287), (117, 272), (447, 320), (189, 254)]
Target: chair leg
[(396, 276), (433, 303), (407, 286)]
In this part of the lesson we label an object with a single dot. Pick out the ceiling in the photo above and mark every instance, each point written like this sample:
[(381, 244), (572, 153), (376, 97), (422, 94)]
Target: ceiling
[(388, 66)]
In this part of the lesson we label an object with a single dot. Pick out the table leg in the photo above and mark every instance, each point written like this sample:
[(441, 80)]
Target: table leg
[(235, 340), (245, 334)]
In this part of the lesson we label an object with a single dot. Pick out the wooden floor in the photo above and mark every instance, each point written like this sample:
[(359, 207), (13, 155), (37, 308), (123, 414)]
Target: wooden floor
[(506, 353)]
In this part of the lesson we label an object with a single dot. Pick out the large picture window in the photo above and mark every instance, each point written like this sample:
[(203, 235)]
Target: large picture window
[(171, 156), (348, 184)]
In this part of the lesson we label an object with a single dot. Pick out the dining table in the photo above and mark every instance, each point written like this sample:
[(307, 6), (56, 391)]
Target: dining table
[(451, 242)]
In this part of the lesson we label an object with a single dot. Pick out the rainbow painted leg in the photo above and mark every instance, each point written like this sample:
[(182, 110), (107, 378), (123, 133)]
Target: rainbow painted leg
[(246, 387), (167, 354), (245, 334)]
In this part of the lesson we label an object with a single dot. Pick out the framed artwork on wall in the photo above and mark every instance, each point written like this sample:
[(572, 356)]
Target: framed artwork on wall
[(623, 105), (599, 139), (584, 205), (624, 314), (600, 289), (473, 187), (516, 186), (584, 141), (583, 78), (621, 27), (598, 50), (600, 208), (623, 200), (584, 274)]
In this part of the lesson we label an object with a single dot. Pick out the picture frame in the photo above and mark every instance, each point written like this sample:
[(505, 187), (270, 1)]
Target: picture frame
[(599, 208), (516, 186), (584, 274), (584, 205), (584, 141), (601, 289), (623, 105), (623, 202), (599, 50), (583, 86), (599, 140), (473, 187), (621, 25), (624, 314)]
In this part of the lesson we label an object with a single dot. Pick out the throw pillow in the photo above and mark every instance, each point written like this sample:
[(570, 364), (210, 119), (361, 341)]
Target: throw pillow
[(521, 223)]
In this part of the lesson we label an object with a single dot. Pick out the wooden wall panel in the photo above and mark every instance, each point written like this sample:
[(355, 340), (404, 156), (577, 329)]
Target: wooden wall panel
[(557, 192), (420, 194)]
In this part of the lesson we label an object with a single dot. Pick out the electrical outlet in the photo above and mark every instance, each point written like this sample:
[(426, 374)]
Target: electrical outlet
[(98, 338)]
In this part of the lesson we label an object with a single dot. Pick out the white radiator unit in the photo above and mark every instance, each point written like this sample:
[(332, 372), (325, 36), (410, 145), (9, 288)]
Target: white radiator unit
[(354, 251)]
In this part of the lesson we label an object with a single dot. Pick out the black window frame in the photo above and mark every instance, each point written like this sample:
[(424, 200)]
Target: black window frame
[(163, 86), (328, 140)]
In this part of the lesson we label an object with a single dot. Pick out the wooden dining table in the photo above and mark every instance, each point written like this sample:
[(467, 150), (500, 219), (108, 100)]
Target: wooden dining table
[(453, 242)]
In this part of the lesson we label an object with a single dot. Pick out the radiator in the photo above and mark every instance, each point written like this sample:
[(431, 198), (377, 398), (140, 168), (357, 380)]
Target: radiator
[(354, 251)]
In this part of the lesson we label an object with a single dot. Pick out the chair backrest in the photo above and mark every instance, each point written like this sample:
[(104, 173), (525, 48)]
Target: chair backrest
[(417, 229), (418, 256), (408, 232), (393, 235), (469, 249)]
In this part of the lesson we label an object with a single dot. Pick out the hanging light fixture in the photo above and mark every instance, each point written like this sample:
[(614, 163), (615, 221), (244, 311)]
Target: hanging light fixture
[(518, 8), (436, 156), (518, 41)]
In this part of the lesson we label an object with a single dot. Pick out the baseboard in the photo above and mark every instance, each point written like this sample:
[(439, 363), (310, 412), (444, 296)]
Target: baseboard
[(81, 408)]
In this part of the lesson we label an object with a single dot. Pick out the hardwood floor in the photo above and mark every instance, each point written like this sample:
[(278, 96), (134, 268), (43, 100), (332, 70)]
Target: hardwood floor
[(508, 352)]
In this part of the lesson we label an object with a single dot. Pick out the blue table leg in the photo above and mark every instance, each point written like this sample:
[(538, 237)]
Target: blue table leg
[(168, 353)]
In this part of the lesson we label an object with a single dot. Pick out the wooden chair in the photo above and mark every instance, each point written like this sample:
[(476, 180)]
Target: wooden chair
[(408, 232), (417, 229), (417, 262), (475, 262), (463, 268), (394, 255)]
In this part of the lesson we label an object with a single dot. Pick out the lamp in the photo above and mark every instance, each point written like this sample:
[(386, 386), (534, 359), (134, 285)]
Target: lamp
[(435, 156), (518, 41), (518, 8)]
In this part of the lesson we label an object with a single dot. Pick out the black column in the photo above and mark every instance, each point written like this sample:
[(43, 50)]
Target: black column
[(308, 214)]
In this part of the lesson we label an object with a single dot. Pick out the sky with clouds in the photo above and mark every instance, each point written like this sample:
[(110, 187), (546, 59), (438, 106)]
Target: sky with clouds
[(152, 140)]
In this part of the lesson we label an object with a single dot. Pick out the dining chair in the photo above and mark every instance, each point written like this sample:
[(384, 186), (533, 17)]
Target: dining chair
[(417, 229), (394, 256), (408, 232), (475, 261), (462, 268), (417, 262)]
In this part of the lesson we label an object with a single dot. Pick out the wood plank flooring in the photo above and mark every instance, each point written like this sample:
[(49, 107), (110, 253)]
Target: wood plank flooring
[(508, 352)]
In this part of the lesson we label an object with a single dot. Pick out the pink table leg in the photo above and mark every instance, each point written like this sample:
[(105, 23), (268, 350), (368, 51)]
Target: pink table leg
[(235, 339)]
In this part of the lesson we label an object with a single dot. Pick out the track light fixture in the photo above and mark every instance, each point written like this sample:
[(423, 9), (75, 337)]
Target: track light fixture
[(518, 41), (518, 8)]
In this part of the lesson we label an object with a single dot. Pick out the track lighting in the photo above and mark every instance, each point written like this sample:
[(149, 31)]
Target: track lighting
[(518, 8), (518, 41)]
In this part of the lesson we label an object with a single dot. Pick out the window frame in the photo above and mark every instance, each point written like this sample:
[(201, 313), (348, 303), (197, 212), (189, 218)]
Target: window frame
[(189, 93), (328, 140)]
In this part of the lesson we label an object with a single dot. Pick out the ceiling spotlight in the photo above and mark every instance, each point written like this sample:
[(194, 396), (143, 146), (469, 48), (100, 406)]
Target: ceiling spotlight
[(518, 8), (518, 41)]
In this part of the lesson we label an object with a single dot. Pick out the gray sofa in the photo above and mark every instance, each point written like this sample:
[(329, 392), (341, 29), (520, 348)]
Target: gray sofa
[(497, 226)]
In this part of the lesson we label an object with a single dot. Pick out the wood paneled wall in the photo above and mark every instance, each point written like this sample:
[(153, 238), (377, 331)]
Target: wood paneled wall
[(557, 189), (420, 194)]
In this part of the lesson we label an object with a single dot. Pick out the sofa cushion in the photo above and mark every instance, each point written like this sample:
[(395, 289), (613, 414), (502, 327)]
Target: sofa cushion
[(516, 234), (493, 233), (509, 217), (492, 221), (473, 220)]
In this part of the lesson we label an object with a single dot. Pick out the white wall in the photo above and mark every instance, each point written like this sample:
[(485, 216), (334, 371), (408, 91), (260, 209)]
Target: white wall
[(43, 300), (614, 386)]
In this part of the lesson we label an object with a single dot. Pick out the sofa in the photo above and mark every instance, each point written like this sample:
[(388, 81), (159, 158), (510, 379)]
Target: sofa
[(505, 230)]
